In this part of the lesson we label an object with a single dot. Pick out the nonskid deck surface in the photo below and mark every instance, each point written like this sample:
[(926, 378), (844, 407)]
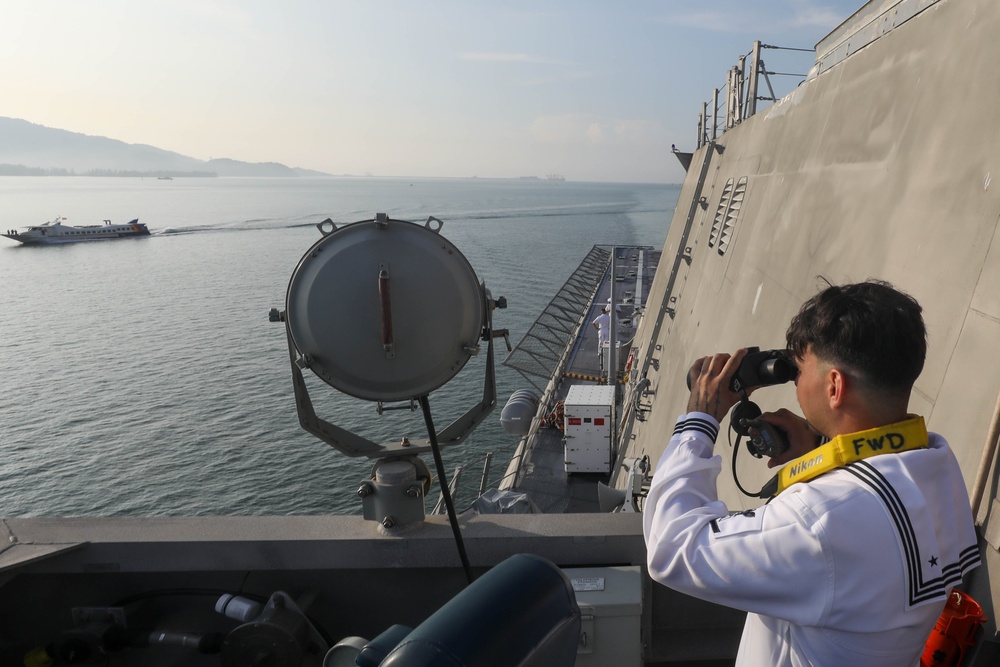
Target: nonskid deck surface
[(544, 477)]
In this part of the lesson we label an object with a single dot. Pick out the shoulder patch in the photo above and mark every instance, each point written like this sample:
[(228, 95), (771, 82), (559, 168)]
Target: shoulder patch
[(738, 523)]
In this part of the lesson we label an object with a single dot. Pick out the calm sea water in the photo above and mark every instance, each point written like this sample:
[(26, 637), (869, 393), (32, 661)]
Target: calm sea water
[(142, 377)]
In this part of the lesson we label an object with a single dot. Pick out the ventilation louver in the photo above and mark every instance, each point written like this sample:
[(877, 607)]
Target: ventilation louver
[(732, 213), (720, 213)]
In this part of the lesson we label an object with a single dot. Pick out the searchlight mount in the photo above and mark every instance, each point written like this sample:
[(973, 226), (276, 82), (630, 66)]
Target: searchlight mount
[(388, 310)]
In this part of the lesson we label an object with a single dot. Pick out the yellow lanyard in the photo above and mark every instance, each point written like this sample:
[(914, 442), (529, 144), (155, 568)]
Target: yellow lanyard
[(850, 447)]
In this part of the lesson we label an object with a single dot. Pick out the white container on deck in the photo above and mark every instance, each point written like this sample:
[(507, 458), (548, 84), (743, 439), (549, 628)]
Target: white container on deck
[(587, 426)]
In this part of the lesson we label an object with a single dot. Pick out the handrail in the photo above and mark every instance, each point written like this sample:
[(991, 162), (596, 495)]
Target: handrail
[(452, 487), (739, 94), (986, 464)]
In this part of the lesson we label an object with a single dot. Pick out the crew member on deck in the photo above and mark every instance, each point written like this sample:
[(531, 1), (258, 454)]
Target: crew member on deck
[(848, 567), (603, 325)]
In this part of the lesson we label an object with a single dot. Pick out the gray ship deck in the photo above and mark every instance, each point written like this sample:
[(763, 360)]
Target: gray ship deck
[(542, 472)]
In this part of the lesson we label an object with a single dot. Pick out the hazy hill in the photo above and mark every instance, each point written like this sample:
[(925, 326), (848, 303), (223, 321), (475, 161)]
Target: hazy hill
[(39, 147)]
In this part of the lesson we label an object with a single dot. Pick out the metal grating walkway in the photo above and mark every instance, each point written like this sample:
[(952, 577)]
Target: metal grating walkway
[(537, 354)]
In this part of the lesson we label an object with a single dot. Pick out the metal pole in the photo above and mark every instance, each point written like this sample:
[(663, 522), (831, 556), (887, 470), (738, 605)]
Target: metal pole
[(986, 463), (439, 506), (740, 76), (486, 473), (752, 89), (732, 99), (612, 368), (613, 352), (715, 114), (732, 108), (704, 123)]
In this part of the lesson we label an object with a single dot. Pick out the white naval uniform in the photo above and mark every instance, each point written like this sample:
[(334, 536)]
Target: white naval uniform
[(851, 568), (603, 324)]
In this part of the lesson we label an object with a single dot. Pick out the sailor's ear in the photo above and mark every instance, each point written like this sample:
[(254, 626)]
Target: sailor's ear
[(837, 385)]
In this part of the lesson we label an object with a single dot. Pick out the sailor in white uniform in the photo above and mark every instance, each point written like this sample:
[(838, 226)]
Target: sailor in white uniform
[(603, 325), (849, 564)]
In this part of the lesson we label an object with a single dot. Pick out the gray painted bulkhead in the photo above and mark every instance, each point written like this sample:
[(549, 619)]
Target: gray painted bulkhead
[(883, 166)]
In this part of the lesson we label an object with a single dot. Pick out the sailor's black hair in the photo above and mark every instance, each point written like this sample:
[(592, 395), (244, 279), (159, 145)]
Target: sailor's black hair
[(871, 329)]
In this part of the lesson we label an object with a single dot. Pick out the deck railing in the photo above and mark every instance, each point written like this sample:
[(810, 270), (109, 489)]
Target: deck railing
[(739, 96)]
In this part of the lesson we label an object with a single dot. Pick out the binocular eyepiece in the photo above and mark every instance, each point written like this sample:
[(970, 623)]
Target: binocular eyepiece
[(761, 368)]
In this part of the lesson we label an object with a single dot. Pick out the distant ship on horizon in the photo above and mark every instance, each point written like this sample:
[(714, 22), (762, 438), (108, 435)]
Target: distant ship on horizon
[(549, 177)]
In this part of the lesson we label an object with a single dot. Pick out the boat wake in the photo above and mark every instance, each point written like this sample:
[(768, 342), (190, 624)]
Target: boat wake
[(239, 226)]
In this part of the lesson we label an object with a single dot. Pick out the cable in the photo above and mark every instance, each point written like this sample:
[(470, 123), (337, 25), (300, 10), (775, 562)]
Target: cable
[(786, 48), (445, 492), (766, 491), (736, 449)]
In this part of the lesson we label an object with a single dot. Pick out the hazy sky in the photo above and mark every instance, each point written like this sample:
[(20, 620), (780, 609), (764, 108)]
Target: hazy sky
[(596, 91)]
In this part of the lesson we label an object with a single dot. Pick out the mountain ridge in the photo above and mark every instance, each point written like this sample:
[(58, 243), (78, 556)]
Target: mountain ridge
[(37, 147)]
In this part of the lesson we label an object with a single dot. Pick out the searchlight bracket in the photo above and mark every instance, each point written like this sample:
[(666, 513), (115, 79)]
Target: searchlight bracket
[(354, 445), (388, 310)]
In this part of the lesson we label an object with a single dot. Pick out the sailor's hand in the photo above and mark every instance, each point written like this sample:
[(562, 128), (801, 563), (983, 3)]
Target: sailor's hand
[(802, 438), (709, 379)]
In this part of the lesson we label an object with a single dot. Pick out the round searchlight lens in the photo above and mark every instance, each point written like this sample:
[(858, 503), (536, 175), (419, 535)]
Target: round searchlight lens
[(385, 310)]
